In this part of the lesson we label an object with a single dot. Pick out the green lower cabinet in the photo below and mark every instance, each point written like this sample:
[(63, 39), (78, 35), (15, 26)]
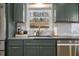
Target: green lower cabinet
[(39, 51), (15, 47), (15, 51), (39, 47), (31, 50), (47, 51)]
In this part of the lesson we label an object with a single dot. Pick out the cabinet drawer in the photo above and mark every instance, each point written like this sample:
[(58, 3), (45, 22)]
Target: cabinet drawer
[(40, 42), (30, 41), (2, 45), (15, 42), (18, 10), (47, 41), (2, 53)]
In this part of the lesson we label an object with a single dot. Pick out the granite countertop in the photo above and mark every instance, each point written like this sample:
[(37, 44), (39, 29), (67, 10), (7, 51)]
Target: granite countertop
[(54, 37)]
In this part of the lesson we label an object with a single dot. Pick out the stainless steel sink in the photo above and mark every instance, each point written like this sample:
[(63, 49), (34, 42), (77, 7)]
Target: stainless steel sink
[(39, 36)]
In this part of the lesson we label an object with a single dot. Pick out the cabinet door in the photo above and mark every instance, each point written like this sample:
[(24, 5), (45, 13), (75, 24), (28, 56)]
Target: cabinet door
[(15, 51), (67, 12), (71, 12), (38, 47), (15, 42), (78, 11), (31, 47), (60, 12), (31, 50), (47, 47), (47, 51), (18, 12), (47, 42), (15, 47)]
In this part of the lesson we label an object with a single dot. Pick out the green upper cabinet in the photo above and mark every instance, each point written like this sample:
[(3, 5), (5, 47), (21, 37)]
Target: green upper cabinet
[(18, 12), (9, 9), (67, 12), (59, 12), (78, 11)]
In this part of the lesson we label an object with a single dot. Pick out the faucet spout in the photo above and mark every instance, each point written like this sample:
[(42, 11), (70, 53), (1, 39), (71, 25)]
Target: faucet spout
[(38, 32)]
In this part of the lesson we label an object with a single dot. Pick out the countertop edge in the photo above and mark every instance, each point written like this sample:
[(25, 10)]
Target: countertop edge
[(44, 38)]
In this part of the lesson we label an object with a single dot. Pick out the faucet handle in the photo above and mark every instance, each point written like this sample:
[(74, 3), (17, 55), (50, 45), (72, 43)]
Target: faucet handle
[(37, 33), (34, 33)]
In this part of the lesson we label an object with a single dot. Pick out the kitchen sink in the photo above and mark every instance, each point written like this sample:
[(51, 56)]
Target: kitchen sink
[(39, 36)]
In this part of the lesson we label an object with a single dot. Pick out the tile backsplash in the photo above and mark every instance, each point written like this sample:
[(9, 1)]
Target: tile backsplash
[(67, 28), (75, 28), (62, 29), (42, 32)]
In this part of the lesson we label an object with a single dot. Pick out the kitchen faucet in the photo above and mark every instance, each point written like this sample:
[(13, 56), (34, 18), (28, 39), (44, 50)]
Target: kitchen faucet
[(38, 32)]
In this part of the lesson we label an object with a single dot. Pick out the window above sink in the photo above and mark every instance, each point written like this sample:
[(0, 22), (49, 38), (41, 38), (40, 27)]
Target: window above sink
[(39, 17)]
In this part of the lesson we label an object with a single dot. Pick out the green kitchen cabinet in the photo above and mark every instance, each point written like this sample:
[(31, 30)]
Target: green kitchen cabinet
[(37, 50), (67, 12), (18, 12), (31, 50), (47, 47), (47, 51), (10, 24), (15, 42), (15, 51), (15, 47), (31, 47), (78, 11), (77, 51), (71, 12), (60, 12), (40, 47)]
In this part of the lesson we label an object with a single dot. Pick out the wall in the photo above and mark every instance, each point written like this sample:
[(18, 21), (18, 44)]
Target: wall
[(2, 22)]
